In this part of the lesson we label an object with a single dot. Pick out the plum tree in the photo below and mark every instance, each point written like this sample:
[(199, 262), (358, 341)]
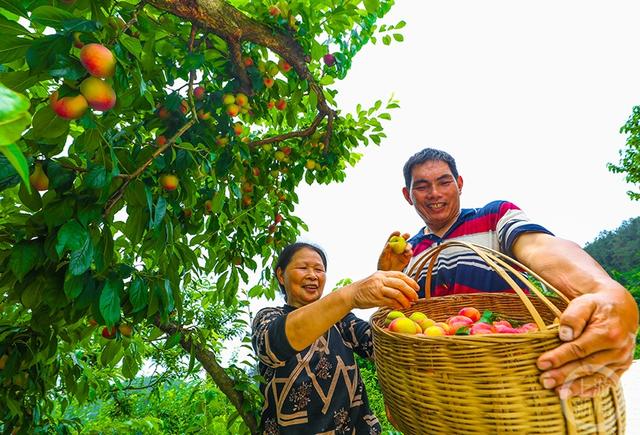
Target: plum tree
[(107, 242)]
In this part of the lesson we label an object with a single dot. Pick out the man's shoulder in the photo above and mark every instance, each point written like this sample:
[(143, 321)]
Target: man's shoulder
[(499, 206)]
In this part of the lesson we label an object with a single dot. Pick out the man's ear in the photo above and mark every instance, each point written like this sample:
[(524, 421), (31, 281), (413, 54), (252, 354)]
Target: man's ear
[(460, 183), (405, 192)]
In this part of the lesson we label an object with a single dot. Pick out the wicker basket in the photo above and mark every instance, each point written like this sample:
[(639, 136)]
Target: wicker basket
[(484, 384)]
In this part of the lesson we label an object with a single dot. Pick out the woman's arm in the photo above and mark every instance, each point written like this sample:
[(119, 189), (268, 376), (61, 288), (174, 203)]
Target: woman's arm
[(384, 288)]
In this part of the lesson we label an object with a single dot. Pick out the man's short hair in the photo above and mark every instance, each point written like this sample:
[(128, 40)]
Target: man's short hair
[(426, 155)]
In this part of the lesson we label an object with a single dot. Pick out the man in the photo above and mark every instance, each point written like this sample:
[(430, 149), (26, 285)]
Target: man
[(599, 325)]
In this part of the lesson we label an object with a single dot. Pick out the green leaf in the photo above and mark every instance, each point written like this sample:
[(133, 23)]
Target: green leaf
[(42, 54), (20, 80), (11, 28), (30, 198), (138, 294), (386, 39), (47, 124), (327, 80), (71, 236), (66, 67), (80, 260), (96, 178), (18, 161), (110, 300), (372, 5), (398, 37), (110, 352), (14, 115), (24, 257), (487, 317), (173, 340), (51, 16), (14, 7), (13, 48), (57, 213), (131, 44), (161, 210), (73, 285)]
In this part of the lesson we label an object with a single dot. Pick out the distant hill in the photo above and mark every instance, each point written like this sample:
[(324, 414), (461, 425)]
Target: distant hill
[(618, 251)]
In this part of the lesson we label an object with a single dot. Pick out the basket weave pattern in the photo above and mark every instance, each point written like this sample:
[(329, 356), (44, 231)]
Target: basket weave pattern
[(484, 384)]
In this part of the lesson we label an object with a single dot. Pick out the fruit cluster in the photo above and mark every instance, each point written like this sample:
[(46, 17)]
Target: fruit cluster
[(468, 321), (95, 92)]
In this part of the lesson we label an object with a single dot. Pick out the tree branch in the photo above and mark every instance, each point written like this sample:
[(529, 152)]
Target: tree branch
[(117, 195), (210, 364)]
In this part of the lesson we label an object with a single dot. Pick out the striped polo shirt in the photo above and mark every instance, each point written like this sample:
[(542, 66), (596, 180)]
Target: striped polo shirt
[(460, 270)]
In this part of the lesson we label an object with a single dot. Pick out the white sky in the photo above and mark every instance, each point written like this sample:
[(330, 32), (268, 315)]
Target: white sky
[(528, 97)]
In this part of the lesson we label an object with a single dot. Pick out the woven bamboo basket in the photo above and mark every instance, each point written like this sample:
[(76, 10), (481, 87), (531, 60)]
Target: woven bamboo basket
[(484, 384)]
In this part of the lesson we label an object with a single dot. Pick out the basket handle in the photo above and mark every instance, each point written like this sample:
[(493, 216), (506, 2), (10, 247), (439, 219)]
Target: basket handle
[(498, 262)]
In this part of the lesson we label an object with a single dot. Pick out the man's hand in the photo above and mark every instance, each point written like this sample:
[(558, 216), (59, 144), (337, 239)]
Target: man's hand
[(389, 260), (599, 332), (383, 288)]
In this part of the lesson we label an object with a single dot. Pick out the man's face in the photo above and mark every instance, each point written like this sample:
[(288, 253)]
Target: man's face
[(435, 194)]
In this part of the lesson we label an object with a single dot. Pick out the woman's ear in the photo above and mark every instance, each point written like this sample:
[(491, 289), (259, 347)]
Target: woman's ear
[(280, 276)]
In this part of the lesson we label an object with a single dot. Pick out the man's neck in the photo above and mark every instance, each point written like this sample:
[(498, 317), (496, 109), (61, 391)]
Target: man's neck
[(442, 231)]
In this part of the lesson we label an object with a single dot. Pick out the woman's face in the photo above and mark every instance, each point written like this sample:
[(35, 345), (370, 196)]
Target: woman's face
[(303, 278)]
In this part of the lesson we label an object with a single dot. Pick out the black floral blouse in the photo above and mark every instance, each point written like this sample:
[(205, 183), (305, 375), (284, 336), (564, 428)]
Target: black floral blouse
[(317, 390)]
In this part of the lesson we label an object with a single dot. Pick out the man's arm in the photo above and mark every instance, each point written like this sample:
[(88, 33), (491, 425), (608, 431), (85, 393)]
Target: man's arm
[(598, 326)]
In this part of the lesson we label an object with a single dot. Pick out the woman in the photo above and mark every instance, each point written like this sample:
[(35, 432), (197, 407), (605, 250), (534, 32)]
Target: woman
[(311, 380)]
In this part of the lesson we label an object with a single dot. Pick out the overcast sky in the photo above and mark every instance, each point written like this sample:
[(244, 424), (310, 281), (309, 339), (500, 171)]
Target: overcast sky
[(528, 97)]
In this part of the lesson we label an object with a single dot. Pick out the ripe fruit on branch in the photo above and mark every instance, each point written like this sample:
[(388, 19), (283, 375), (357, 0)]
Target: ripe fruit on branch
[(208, 206), (161, 140), (237, 129), (98, 60), (310, 165), (169, 182), (397, 244), (329, 59), (98, 93), (241, 99), (39, 179), (268, 82), (233, 110), (278, 218), (69, 107), (198, 93), (274, 11), (281, 104), (109, 333), (284, 66), (271, 104), (247, 61)]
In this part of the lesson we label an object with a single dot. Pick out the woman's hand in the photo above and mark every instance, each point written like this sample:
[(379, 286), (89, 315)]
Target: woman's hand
[(389, 260), (384, 288)]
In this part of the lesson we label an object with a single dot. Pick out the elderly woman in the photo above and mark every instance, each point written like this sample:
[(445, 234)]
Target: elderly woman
[(311, 380)]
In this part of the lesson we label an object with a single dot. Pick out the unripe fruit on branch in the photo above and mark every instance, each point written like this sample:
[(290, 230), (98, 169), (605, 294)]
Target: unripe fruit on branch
[(98, 60), (69, 107), (98, 93), (39, 179), (125, 330), (169, 182), (228, 99)]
